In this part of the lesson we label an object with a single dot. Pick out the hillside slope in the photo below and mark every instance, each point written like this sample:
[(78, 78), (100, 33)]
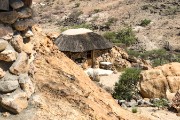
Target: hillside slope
[(54, 15), (68, 92)]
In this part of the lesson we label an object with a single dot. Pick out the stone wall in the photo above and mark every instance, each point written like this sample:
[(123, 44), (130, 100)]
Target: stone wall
[(16, 57)]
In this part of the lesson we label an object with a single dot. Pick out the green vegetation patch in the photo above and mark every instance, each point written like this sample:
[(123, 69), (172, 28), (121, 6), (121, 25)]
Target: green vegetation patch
[(126, 87), (125, 36), (83, 25), (157, 57)]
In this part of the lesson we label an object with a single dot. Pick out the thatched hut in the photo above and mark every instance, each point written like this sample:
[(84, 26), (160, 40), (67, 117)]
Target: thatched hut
[(81, 45)]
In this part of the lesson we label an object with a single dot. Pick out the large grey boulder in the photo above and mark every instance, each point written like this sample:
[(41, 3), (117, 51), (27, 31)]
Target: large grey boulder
[(8, 83), (17, 43), (15, 4), (21, 65), (14, 102), (3, 45), (25, 12), (6, 32), (9, 17), (9, 54), (26, 84), (23, 25)]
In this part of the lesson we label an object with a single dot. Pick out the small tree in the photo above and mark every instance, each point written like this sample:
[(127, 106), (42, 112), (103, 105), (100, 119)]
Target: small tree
[(126, 36), (126, 87)]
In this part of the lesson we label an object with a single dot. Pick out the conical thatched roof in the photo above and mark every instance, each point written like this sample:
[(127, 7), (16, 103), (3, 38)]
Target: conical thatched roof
[(81, 40)]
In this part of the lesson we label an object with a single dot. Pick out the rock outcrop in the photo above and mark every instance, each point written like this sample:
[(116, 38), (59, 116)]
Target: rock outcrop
[(120, 59), (156, 82), (16, 85), (176, 101)]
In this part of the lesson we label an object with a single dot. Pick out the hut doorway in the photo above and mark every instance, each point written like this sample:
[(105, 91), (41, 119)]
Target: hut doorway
[(90, 57)]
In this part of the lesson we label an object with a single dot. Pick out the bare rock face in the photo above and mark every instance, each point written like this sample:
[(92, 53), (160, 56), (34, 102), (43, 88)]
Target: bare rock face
[(155, 82), (23, 25), (14, 102), (9, 54), (26, 84), (17, 43), (28, 48), (3, 45), (8, 17), (15, 4), (20, 65), (25, 12), (6, 32), (8, 83)]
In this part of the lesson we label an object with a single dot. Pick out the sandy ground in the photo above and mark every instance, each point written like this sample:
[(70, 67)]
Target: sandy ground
[(154, 114), (110, 80)]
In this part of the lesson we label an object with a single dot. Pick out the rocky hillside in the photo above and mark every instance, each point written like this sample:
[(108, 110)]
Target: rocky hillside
[(112, 15)]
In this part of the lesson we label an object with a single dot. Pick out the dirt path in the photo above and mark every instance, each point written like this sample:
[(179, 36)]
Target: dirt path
[(110, 80)]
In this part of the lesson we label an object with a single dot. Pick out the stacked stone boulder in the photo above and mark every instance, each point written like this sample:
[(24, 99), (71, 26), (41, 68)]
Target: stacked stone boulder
[(16, 54), (160, 82)]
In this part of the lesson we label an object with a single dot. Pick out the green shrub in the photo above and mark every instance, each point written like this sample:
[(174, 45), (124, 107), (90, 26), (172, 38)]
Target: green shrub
[(125, 36), (162, 103), (111, 36), (157, 57), (126, 87), (133, 53), (134, 110), (145, 22), (159, 61)]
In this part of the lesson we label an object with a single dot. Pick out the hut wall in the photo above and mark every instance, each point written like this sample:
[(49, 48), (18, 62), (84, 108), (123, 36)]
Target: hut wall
[(106, 55), (102, 56), (85, 59)]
